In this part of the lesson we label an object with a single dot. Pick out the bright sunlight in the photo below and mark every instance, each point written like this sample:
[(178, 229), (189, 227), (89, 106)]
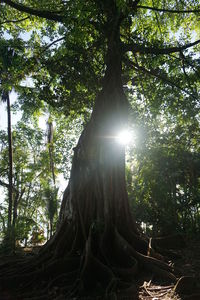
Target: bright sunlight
[(124, 137)]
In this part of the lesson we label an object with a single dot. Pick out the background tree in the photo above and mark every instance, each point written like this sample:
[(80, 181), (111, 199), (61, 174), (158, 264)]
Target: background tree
[(9, 60), (163, 162), (23, 177), (34, 193)]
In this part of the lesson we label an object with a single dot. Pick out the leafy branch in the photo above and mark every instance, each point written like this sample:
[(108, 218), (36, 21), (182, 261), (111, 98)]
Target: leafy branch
[(185, 72), (14, 21), (134, 48), (50, 15), (162, 77), (174, 11), (52, 43)]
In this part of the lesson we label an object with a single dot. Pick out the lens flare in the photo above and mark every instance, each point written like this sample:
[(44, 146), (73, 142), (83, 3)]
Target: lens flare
[(124, 137)]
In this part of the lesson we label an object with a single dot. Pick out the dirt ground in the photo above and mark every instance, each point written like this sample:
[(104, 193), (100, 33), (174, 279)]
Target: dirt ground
[(188, 264)]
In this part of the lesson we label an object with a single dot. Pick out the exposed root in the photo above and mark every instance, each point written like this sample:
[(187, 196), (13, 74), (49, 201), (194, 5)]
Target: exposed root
[(157, 292), (107, 265)]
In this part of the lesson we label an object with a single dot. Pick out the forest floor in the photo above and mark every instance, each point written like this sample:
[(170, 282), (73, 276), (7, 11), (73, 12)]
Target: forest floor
[(151, 289), (189, 266)]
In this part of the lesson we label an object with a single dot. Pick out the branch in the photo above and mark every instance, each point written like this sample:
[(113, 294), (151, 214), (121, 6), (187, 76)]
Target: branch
[(14, 21), (3, 221), (51, 44), (185, 73), (134, 4), (4, 184), (194, 68), (133, 47), (157, 20), (173, 11), (35, 12), (3, 171), (154, 73)]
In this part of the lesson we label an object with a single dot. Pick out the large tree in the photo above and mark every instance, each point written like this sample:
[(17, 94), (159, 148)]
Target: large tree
[(97, 248)]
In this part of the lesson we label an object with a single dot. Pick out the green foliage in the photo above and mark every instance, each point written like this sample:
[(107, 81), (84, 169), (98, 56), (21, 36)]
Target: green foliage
[(23, 229), (164, 187), (12, 63), (66, 135), (36, 195)]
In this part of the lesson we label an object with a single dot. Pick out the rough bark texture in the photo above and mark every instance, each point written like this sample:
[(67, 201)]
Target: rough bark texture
[(97, 249)]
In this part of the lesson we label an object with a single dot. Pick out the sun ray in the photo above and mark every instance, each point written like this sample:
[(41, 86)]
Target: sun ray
[(124, 137)]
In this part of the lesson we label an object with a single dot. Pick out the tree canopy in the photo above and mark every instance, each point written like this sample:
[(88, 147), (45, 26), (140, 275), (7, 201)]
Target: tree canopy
[(66, 44), (97, 61)]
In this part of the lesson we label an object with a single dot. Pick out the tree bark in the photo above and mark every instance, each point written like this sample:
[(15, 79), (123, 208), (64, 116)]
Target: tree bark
[(50, 148), (97, 189), (97, 248), (10, 175)]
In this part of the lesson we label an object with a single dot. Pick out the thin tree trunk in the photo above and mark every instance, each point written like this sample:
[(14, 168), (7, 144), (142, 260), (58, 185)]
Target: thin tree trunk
[(16, 201), (50, 147), (3, 222), (10, 175), (52, 169)]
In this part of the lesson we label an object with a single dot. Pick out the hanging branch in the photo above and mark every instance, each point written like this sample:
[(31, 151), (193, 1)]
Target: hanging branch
[(50, 15), (186, 61), (134, 48), (51, 44), (165, 79), (182, 57), (14, 21), (158, 23), (141, 84), (173, 11)]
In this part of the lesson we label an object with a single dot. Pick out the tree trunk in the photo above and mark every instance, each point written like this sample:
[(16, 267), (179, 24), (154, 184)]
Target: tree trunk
[(97, 248), (50, 148), (96, 195), (10, 175), (52, 187), (17, 197)]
